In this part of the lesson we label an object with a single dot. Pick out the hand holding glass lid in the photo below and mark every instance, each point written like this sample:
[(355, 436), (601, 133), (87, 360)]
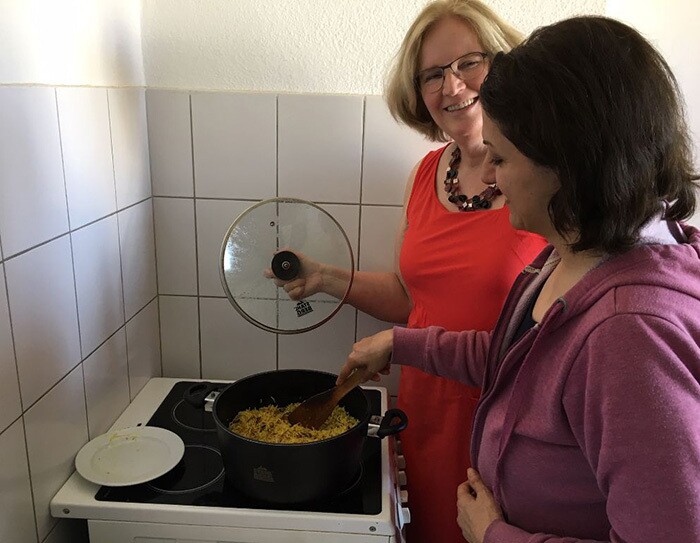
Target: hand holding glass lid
[(313, 277), (289, 236)]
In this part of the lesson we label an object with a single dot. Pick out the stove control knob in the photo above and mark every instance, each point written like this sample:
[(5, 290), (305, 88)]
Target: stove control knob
[(402, 478), (405, 516), (397, 447), (401, 462), (404, 496)]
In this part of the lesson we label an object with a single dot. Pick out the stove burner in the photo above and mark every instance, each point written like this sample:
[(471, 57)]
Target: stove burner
[(354, 482), (200, 467), (193, 418)]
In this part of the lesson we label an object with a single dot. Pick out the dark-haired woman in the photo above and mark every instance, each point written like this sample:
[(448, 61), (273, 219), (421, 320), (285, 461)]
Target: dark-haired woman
[(588, 428)]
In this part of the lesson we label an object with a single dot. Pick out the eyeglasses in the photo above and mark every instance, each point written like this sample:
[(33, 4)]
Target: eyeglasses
[(467, 68)]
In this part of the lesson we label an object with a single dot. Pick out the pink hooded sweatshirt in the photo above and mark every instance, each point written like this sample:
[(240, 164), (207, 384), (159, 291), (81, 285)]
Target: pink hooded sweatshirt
[(588, 428)]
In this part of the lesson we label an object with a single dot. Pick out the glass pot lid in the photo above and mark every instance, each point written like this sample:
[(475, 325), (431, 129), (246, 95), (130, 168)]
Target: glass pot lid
[(269, 235)]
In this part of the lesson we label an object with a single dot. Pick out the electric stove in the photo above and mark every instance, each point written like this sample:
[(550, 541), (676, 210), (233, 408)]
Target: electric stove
[(193, 502)]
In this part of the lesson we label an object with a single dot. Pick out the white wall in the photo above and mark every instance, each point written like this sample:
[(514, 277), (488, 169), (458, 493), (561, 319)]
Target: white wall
[(671, 25), (71, 42), (79, 330), (314, 46)]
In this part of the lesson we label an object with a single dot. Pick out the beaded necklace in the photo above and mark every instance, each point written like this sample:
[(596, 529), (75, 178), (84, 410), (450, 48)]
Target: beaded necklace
[(463, 203)]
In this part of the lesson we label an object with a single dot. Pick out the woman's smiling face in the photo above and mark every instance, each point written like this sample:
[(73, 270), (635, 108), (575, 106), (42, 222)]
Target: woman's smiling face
[(528, 187), (448, 40)]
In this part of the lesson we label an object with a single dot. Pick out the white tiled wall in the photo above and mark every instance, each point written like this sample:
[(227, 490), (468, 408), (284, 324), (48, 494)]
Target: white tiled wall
[(79, 331), (113, 207), (170, 142), (31, 169), (15, 492), (132, 174), (345, 153), (56, 428), (235, 155), (176, 247), (98, 282), (83, 116), (138, 265), (320, 147)]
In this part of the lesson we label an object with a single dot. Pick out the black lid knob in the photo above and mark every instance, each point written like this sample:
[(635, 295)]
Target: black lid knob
[(285, 265)]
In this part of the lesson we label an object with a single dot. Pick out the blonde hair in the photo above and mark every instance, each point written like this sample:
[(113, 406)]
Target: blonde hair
[(402, 96)]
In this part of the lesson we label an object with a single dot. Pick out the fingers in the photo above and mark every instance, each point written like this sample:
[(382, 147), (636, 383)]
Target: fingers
[(294, 284), (372, 353), (345, 371), (472, 488), (269, 274), (296, 292), (475, 481), (350, 366), (295, 289), (464, 492)]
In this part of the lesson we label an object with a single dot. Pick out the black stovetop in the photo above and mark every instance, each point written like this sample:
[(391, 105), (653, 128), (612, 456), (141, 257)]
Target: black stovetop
[(198, 479)]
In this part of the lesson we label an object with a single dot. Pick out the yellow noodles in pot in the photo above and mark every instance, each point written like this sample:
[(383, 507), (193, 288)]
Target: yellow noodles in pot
[(270, 425)]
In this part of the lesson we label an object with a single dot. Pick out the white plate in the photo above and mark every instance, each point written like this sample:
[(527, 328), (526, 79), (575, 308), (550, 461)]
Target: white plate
[(129, 456)]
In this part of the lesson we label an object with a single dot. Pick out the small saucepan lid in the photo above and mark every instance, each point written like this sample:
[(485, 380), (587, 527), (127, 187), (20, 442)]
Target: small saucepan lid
[(269, 234)]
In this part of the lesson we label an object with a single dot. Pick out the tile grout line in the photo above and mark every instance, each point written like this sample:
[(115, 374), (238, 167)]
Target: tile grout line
[(70, 243), (359, 214), (12, 338), (29, 472), (121, 259), (196, 240), (256, 200), (83, 359), (277, 193), (68, 232), (153, 222)]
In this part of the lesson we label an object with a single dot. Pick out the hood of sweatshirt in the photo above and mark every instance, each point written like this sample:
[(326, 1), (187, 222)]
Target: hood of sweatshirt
[(660, 260)]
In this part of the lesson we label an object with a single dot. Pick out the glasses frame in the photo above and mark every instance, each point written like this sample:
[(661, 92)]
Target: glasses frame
[(451, 66)]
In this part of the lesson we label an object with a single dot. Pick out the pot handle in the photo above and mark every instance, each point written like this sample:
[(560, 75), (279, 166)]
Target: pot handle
[(196, 394), (393, 422)]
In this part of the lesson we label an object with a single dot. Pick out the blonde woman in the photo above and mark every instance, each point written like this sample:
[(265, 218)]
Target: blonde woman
[(457, 253)]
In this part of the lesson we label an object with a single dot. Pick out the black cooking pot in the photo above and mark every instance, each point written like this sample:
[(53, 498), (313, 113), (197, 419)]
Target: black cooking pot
[(298, 472)]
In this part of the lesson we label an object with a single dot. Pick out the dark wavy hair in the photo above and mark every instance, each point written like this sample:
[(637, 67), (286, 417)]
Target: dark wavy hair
[(592, 100)]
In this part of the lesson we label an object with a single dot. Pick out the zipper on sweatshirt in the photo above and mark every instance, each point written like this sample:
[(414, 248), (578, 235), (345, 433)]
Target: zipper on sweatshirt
[(497, 361), (514, 361), (494, 362)]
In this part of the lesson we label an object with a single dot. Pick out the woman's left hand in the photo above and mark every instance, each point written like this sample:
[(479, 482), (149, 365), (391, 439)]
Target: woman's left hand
[(476, 508)]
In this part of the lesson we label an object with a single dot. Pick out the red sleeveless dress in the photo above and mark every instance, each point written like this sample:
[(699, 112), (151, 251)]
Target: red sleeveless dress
[(458, 268)]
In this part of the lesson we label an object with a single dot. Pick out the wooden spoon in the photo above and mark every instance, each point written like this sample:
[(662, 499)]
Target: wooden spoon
[(314, 411)]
